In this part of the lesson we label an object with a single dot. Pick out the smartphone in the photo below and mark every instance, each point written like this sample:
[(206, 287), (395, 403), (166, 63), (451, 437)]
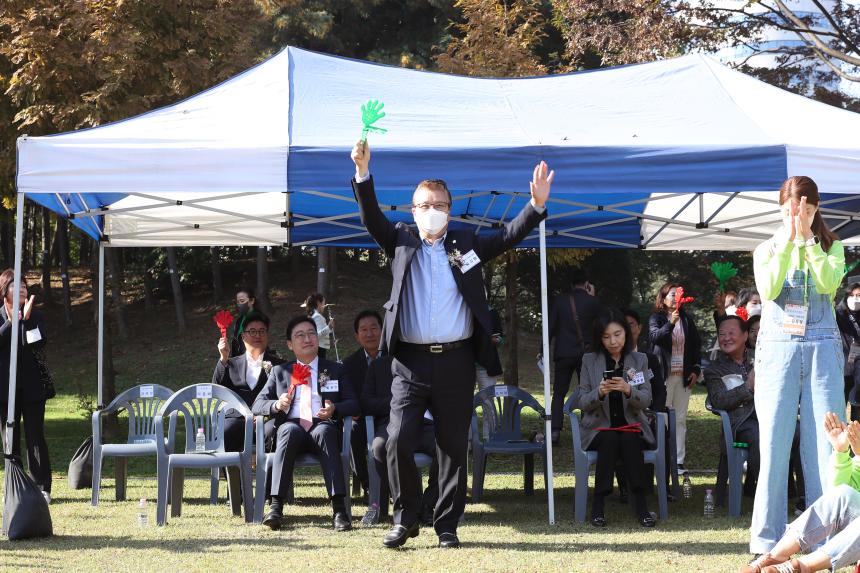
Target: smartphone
[(607, 374)]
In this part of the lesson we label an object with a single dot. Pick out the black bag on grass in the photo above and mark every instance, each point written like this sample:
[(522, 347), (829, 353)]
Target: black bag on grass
[(26, 513), (81, 466)]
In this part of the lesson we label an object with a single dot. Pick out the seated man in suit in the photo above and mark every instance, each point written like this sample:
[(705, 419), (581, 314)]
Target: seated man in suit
[(308, 399), (245, 374), (376, 402), (368, 328)]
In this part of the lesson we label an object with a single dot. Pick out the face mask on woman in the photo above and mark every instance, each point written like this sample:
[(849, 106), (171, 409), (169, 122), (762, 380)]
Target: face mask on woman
[(853, 302), (754, 309), (243, 307)]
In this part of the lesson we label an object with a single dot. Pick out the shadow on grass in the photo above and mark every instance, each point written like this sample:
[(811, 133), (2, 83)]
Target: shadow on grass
[(102, 542)]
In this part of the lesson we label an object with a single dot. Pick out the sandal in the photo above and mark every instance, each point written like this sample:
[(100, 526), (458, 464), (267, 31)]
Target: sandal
[(792, 566), (598, 521)]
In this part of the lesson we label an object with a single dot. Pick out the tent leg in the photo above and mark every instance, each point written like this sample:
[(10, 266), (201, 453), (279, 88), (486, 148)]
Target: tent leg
[(16, 303), (547, 400), (101, 342)]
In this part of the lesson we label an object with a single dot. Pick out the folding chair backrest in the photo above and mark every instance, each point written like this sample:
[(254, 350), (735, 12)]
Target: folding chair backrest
[(573, 402), (142, 404), (204, 406), (502, 406)]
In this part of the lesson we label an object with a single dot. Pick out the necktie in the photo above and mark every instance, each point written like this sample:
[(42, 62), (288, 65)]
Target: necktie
[(301, 376)]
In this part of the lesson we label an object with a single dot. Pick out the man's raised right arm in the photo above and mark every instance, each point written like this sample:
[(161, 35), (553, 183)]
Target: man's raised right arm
[(377, 224)]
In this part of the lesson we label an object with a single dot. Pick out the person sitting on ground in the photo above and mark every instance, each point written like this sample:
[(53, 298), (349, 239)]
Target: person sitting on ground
[(730, 381), (308, 399), (368, 330), (834, 518), (614, 395), (376, 402), (246, 375)]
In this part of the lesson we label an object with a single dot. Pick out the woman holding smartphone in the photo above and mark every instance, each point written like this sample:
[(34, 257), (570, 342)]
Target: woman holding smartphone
[(615, 391), (798, 355)]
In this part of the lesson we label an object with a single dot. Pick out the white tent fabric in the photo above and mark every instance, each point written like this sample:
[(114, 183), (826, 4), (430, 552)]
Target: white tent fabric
[(207, 170)]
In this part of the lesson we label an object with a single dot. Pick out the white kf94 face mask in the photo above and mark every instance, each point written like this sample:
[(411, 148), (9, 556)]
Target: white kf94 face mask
[(853, 303), (431, 221)]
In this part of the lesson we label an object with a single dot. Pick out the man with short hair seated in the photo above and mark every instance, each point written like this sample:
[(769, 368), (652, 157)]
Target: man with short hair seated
[(376, 402), (368, 329), (730, 380), (308, 399), (245, 374)]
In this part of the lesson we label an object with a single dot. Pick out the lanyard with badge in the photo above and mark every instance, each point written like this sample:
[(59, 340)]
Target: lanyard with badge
[(794, 320)]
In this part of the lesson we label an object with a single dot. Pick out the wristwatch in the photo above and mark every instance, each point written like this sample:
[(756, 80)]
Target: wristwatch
[(811, 242)]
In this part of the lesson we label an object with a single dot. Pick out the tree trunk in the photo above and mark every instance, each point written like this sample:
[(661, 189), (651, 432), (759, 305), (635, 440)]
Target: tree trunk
[(95, 282), (111, 425), (8, 232), (63, 249), (217, 283), (115, 273), (295, 260), (47, 297), (373, 258), (148, 294), (332, 272), (177, 288), (323, 271), (262, 294), (512, 321)]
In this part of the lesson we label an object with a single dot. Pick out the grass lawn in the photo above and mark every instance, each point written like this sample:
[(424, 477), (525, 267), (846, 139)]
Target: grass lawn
[(507, 532)]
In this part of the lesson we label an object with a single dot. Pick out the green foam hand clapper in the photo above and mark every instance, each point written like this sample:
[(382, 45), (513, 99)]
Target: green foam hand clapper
[(371, 112)]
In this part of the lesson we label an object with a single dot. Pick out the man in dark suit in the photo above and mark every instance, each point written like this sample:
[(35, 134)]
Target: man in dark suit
[(571, 330), (307, 399), (245, 375), (368, 327), (437, 325), (376, 401)]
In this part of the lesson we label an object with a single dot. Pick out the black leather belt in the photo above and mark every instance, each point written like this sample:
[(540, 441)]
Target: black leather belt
[(434, 348)]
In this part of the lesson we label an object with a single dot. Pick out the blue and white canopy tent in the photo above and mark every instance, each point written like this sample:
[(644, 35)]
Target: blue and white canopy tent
[(676, 154)]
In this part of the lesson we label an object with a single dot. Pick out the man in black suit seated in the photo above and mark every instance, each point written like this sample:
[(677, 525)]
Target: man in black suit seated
[(368, 327), (308, 399), (245, 374), (376, 402)]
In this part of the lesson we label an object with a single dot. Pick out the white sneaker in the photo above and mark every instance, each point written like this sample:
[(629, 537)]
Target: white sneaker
[(47, 497)]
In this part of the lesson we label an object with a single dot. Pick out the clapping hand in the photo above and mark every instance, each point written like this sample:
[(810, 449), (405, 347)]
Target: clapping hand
[(853, 433), (540, 183), (802, 223), (361, 157), (836, 432)]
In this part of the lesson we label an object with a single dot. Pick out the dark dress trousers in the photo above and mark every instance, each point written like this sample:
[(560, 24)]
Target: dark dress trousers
[(356, 370), (376, 402), (322, 439), (442, 382), (30, 395), (234, 375)]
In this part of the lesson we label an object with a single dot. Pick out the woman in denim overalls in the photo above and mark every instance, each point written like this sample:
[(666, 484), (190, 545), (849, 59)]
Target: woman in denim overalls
[(799, 358)]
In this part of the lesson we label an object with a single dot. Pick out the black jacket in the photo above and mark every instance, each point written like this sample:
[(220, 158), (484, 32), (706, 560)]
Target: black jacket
[(356, 370), (376, 393), (400, 242), (658, 383), (562, 326), (233, 375), (344, 400), (29, 387), (660, 341)]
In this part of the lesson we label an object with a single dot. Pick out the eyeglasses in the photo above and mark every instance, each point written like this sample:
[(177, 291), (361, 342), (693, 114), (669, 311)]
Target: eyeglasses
[(444, 207), (305, 335), (256, 331)]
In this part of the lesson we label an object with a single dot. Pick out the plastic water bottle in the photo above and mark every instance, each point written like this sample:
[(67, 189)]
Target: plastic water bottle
[(687, 487), (709, 504), (142, 517), (200, 441)]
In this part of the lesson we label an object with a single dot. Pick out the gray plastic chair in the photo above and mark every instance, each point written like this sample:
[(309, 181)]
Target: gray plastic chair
[(421, 460), (502, 407), (731, 466), (142, 404), (266, 459), (584, 459), (202, 406)]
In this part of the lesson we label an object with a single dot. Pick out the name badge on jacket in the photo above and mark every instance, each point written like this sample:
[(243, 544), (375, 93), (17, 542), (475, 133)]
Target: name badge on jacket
[(470, 259), (330, 386)]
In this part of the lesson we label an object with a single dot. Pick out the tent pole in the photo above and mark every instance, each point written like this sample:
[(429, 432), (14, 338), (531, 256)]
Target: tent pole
[(544, 306), (16, 303), (101, 351)]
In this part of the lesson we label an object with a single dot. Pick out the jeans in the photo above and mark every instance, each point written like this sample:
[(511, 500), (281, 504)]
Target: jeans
[(836, 515), (793, 372), (678, 398)]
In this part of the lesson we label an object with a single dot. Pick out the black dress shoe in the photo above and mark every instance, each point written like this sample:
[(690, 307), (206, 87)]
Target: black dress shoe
[(398, 535), (342, 521), (448, 541), (274, 518)]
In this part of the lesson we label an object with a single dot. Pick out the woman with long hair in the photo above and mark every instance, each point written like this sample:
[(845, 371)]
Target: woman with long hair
[(798, 354), (314, 307), (32, 389), (615, 391), (675, 341)]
